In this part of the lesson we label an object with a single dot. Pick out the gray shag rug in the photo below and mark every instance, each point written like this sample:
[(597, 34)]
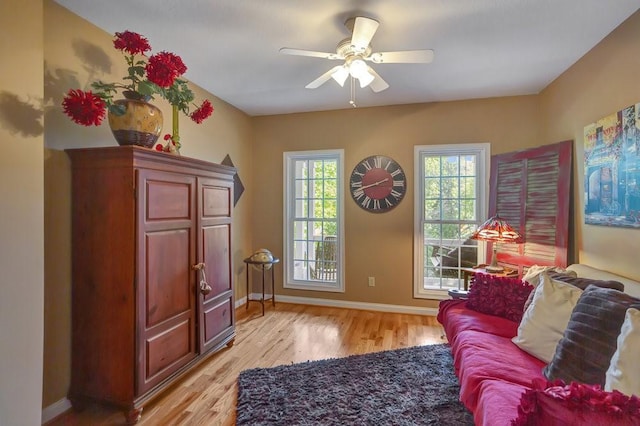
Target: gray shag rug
[(412, 386)]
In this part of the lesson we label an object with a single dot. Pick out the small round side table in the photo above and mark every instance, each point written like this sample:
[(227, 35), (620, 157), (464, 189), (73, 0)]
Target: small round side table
[(263, 266)]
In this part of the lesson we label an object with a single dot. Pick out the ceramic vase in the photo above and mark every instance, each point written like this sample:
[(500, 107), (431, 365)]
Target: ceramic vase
[(140, 124)]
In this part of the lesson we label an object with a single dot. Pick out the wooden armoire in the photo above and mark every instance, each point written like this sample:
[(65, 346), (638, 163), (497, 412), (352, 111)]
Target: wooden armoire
[(152, 291)]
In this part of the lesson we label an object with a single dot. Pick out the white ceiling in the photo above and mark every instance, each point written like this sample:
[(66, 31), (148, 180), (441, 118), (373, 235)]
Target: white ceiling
[(483, 48)]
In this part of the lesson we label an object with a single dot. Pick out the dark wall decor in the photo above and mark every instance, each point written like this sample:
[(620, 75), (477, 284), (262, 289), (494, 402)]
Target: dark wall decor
[(238, 187)]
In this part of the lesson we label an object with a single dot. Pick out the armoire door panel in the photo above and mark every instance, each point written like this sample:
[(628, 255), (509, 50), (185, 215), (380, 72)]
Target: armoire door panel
[(168, 351), (168, 278), (168, 200), (217, 319), (216, 201), (217, 256)]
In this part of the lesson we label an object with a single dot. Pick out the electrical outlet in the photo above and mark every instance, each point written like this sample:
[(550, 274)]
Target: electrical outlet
[(372, 281)]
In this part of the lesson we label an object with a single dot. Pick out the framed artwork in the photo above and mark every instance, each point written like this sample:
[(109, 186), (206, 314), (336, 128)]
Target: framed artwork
[(612, 169)]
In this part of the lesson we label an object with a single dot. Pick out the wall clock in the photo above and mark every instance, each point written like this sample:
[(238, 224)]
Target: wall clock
[(377, 184)]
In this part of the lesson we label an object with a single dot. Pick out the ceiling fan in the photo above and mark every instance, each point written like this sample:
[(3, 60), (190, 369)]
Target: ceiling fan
[(356, 51)]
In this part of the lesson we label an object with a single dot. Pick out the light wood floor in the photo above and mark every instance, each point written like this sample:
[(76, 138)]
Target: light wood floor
[(286, 334)]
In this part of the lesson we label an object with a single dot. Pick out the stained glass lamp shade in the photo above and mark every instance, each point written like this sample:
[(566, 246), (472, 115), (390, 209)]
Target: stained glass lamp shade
[(496, 230)]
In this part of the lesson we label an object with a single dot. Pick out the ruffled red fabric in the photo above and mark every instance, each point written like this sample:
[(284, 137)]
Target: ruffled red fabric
[(499, 296), (556, 404)]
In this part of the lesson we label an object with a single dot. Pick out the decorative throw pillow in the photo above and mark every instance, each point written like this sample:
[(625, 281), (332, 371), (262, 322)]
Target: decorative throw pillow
[(543, 324), (570, 277), (556, 404), (583, 283), (499, 296), (624, 370), (589, 341), (533, 273)]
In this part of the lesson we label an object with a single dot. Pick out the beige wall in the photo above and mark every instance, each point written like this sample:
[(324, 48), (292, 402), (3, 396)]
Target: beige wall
[(77, 53), (21, 228), (379, 245), (603, 82)]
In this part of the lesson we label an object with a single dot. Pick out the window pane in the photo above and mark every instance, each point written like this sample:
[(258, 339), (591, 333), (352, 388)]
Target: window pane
[(432, 232), (301, 169), (450, 232), (330, 209), (468, 187), (450, 209), (432, 166), (432, 209), (468, 210), (301, 188), (432, 188), (330, 188), (450, 187), (468, 165), (316, 169), (450, 166), (301, 208), (317, 208), (300, 230)]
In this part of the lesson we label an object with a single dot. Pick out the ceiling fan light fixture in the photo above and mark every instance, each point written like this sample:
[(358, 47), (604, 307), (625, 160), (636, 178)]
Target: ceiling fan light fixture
[(358, 68), (340, 75), (365, 79)]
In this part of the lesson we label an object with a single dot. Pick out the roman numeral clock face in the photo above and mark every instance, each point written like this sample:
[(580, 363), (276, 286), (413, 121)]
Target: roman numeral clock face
[(377, 184)]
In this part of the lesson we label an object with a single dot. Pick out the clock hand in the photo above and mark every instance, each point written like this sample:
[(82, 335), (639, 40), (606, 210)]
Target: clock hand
[(374, 183)]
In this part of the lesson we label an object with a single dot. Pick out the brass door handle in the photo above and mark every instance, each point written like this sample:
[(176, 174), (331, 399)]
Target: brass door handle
[(205, 288)]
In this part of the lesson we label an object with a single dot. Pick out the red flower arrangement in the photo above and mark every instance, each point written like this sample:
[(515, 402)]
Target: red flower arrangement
[(162, 70)]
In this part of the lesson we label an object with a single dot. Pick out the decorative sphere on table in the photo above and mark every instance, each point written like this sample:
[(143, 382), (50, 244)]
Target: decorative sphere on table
[(262, 255)]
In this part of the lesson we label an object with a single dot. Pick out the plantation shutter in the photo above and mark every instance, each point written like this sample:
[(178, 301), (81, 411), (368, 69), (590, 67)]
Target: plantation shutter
[(530, 190)]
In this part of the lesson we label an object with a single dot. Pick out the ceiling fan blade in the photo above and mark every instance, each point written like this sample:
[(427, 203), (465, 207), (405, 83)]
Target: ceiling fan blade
[(402, 57), (378, 84), (312, 53), (363, 31), (323, 78)]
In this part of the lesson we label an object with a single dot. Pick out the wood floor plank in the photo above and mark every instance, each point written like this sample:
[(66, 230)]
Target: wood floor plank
[(287, 334)]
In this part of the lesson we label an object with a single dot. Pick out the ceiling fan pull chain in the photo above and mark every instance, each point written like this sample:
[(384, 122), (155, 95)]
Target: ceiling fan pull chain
[(353, 94)]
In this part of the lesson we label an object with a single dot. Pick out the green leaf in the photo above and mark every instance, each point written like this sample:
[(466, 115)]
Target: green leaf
[(148, 88)]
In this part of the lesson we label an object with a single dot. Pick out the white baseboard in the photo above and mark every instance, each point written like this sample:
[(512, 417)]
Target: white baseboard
[(54, 410), (379, 307), (240, 302)]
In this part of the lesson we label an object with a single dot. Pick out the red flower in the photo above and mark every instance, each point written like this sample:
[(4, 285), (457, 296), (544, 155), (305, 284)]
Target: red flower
[(164, 67), (84, 107), (132, 43), (159, 147), (200, 114)]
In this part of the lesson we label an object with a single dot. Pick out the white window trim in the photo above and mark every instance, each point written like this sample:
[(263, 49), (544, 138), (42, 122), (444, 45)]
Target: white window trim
[(289, 197), (483, 150)]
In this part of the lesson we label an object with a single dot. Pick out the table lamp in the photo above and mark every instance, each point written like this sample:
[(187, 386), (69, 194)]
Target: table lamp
[(496, 230)]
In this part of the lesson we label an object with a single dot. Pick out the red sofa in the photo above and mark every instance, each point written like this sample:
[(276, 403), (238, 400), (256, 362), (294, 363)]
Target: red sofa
[(492, 370)]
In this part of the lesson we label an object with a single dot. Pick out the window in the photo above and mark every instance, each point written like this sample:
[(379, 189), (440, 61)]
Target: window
[(450, 182), (313, 220)]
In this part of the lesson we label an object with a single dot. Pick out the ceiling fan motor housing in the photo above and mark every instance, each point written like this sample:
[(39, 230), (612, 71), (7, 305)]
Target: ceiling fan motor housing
[(346, 50)]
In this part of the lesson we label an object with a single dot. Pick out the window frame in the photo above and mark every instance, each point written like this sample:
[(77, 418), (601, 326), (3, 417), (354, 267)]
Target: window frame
[(289, 280), (483, 151)]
